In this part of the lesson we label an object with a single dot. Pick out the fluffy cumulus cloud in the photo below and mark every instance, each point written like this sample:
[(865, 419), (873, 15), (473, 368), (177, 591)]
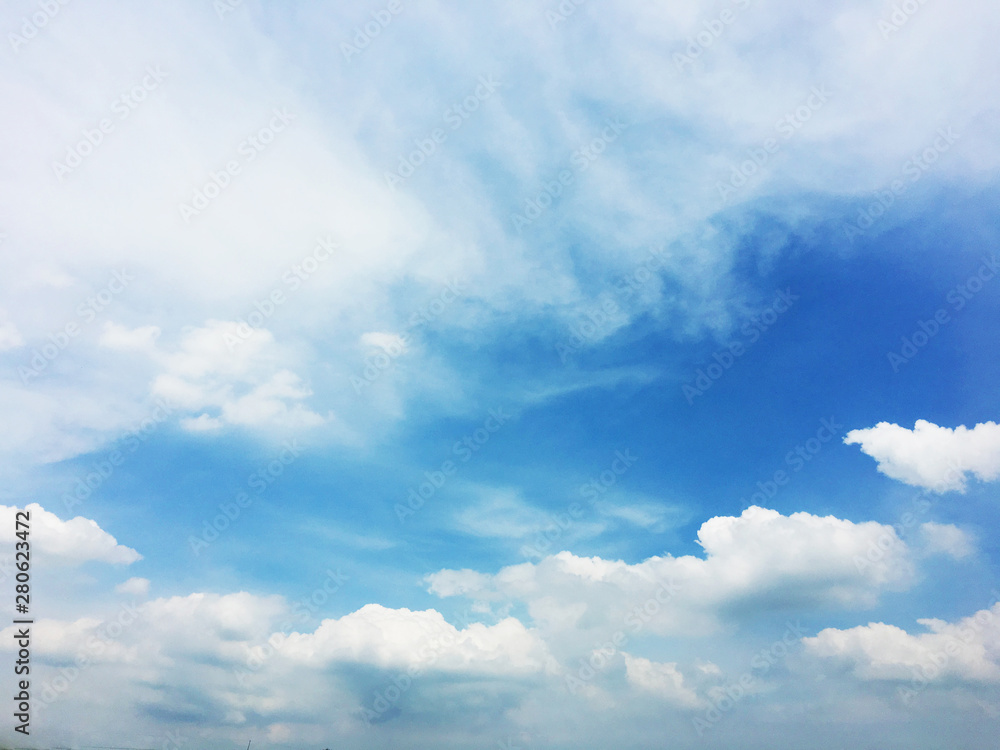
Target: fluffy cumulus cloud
[(247, 658), (71, 542), (756, 561), (237, 663), (940, 459), (247, 662), (663, 680), (225, 373), (399, 638), (239, 655), (145, 656), (967, 650), (98, 638)]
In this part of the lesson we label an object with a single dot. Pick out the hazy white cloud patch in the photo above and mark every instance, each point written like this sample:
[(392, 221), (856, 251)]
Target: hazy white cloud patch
[(662, 679), (229, 374), (946, 539), (133, 586)]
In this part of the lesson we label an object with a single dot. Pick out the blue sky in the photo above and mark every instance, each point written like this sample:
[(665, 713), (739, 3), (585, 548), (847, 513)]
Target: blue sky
[(527, 374)]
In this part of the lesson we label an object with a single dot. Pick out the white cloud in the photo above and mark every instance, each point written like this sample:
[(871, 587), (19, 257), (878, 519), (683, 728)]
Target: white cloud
[(60, 641), (10, 337), (392, 343), (120, 337), (214, 376), (232, 375), (399, 638), (760, 560), (236, 658), (932, 457), (208, 623), (457, 582), (325, 174), (947, 539), (159, 635), (652, 516), (231, 627), (134, 586), (201, 423), (967, 650), (54, 421), (663, 679), (504, 514), (71, 542)]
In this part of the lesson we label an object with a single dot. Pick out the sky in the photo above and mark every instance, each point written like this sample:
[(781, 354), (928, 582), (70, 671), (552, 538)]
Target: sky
[(514, 374)]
